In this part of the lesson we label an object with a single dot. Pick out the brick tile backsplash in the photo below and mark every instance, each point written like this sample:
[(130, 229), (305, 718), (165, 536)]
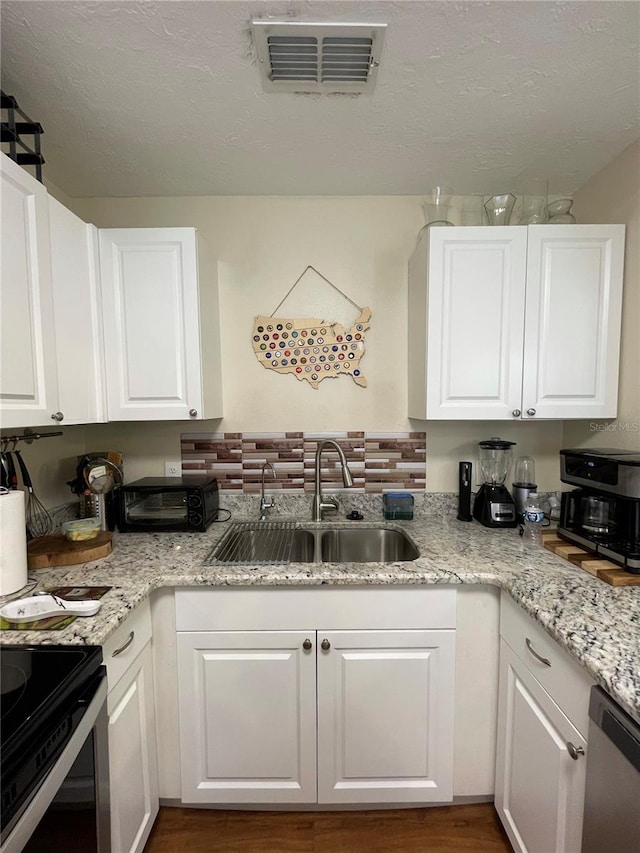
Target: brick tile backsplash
[(390, 461)]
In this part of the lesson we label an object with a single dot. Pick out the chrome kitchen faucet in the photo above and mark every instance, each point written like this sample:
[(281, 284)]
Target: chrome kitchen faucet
[(320, 503), (266, 503)]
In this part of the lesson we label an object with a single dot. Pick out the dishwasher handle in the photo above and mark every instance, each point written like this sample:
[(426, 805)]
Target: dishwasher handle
[(616, 725)]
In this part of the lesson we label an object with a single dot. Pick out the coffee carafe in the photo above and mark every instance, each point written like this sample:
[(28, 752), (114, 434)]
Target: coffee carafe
[(494, 506)]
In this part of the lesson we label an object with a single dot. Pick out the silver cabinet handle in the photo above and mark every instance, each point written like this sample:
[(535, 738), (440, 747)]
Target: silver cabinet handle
[(326, 645), (531, 412), (545, 661), (516, 413), (124, 646), (307, 645), (574, 751), (193, 413), (57, 416)]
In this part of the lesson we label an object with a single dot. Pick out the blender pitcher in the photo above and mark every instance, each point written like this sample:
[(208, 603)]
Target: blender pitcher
[(495, 460)]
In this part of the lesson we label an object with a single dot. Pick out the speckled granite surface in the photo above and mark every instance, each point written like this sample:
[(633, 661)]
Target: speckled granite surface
[(598, 624)]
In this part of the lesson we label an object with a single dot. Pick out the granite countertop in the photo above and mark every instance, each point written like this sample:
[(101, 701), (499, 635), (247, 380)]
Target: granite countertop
[(598, 624)]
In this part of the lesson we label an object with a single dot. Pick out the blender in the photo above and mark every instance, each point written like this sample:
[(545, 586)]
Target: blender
[(524, 483), (494, 506)]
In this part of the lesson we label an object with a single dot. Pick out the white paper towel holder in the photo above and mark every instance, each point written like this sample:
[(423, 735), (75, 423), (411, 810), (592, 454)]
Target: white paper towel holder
[(13, 556), (28, 587)]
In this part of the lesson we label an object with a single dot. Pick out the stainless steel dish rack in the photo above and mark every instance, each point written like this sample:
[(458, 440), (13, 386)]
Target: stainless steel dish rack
[(263, 543)]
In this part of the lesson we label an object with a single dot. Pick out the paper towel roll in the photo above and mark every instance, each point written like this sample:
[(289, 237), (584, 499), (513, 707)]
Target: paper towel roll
[(13, 542)]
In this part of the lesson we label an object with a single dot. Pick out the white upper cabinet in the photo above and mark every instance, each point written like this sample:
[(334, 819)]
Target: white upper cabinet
[(77, 317), (572, 321), (466, 323), (28, 381), (161, 327), (101, 325), (515, 322)]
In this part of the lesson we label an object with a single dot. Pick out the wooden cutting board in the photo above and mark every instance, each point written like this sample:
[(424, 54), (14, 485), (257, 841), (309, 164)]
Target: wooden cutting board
[(600, 568), (45, 552)]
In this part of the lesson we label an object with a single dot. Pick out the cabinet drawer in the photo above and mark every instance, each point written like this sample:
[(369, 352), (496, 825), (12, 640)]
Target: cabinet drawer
[(123, 646), (562, 677)]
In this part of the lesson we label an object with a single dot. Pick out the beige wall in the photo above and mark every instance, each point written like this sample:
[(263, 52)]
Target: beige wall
[(263, 244), (613, 195), (55, 191), (362, 245), (52, 461)]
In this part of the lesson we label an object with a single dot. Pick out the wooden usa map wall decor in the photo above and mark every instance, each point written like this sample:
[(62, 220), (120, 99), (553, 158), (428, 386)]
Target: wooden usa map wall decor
[(312, 349)]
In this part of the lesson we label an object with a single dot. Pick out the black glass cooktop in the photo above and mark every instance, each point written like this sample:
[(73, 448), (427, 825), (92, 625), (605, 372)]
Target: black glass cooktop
[(35, 682)]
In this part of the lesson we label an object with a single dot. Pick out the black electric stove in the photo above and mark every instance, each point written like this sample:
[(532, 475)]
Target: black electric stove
[(40, 689)]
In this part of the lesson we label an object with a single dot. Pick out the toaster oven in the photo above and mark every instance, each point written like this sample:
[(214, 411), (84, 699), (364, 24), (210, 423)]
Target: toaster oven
[(156, 504)]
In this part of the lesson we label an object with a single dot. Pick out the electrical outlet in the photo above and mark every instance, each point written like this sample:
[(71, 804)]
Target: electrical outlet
[(173, 469)]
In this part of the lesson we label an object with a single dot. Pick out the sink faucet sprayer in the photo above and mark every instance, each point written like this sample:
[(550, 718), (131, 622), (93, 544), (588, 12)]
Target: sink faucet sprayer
[(320, 503), (266, 503)]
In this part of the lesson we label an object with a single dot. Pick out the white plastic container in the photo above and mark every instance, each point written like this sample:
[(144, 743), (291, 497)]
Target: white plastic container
[(82, 529)]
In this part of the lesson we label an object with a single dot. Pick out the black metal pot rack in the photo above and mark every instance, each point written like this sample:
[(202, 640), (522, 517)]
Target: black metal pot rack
[(12, 131), (28, 436)]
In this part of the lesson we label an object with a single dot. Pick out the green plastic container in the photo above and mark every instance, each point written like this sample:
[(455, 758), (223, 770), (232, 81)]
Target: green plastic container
[(397, 506)]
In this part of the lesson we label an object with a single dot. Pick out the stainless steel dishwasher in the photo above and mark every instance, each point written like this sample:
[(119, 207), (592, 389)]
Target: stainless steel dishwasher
[(612, 796)]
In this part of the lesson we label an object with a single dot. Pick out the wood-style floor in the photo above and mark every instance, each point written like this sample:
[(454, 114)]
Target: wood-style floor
[(451, 829)]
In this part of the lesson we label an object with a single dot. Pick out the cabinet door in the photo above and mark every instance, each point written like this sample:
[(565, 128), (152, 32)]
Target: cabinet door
[(385, 716), (572, 330), (151, 323), (132, 757), (539, 787), (28, 382), (78, 316), (466, 295), (247, 717)]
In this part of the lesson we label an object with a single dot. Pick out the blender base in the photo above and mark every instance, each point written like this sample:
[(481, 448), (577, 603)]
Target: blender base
[(494, 507)]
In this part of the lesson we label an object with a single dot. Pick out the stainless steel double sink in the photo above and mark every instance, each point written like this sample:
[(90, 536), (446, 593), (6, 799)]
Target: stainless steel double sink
[(274, 542)]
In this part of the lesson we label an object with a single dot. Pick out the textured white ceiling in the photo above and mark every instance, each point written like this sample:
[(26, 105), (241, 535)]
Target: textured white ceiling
[(164, 98)]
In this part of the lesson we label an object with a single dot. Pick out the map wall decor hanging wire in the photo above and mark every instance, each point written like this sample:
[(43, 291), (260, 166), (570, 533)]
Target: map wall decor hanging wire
[(312, 349)]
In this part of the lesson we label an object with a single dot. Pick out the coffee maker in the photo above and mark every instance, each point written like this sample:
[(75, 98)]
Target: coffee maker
[(494, 506), (603, 514)]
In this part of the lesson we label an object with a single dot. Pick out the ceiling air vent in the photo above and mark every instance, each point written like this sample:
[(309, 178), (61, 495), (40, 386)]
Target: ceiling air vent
[(310, 57)]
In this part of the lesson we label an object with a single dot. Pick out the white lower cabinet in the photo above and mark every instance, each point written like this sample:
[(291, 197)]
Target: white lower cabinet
[(541, 754), (385, 716), (306, 716), (132, 737), (247, 717)]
